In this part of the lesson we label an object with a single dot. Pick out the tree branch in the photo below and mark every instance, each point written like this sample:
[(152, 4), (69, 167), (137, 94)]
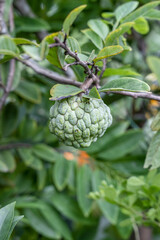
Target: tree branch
[(50, 74), (25, 10), (9, 83), (3, 27), (14, 145), (103, 68), (147, 95), (85, 65)]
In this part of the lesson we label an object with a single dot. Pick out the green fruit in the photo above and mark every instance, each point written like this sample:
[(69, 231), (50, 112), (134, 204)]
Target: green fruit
[(78, 121)]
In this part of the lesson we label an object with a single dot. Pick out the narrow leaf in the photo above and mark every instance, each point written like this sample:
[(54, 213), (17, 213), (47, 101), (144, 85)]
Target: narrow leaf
[(126, 84), (153, 14), (120, 71), (155, 126), (21, 41), (60, 91), (40, 225), (114, 35), (71, 18), (124, 9), (45, 152), (121, 145), (84, 188), (108, 52), (152, 159), (52, 56), (60, 173), (6, 219), (29, 91), (141, 11)]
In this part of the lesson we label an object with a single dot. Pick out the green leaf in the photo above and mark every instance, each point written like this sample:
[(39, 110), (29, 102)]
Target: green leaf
[(53, 56), (111, 133), (152, 158), (7, 162), (8, 47), (9, 123), (121, 145), (154, 63), (108, 52), (94, 93), (96, 40), (108, 14), (7, 6), (84, 188), (60, 173), (44, 49), (67, 206), (114, 35), (27, 24), (153, 14), (17, 75), (60, 91), (126, 84), (109, 210), (73, 44), (124, 9), (141, 25), (120, 71), (141, 11), (40, 225), (29, 159), (6, 219), (99, 27), (71, 18), (14, 223), (45, 152), (155, 126), (56, 222), (24, 41), (134, 182), (29, 91), (32, 51)]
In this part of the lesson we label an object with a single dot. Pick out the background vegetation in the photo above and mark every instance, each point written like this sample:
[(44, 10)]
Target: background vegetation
[(99, 193)]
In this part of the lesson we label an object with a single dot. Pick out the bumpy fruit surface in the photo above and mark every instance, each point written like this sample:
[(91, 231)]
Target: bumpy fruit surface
[(79, 121)]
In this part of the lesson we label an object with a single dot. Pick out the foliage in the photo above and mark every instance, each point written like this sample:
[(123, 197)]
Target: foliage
[(50, 182)]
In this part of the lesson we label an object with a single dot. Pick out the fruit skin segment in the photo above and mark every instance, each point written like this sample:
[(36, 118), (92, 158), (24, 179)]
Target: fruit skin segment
[(79, 121)]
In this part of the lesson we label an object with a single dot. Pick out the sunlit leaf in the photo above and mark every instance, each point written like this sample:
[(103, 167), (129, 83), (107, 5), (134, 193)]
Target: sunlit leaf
[(60, 91), (141, 25), (108, 52), (99, 27), (152, 158), (71, 18), (126, 84), (96, 40), (141, 11)]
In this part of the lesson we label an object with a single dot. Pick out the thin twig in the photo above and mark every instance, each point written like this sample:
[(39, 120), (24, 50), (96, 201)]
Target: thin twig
[(50, 74), (14, 145), (70, 64), (88, 71), (147, 95), (103, 68), (136, 232)]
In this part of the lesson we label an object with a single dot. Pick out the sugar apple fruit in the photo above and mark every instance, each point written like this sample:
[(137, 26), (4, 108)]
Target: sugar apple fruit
[(78, 121)]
